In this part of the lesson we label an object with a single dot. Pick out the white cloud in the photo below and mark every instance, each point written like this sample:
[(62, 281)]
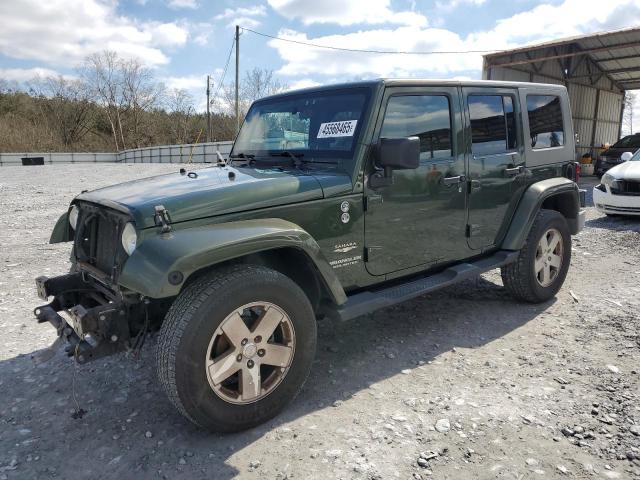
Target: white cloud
[(246, 22), (257, 11), (244, 16), (304, 83), (196, 85), (200, 32), (304, 60), (26, 74), (167, 34), (177, 4), (343, 12), (63, 32), (453, 4), (542, 23), (188, 82)]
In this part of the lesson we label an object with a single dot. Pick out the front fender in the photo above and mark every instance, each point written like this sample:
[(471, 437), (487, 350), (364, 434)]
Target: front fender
[(61, 231), (186, 251), (531, 202)]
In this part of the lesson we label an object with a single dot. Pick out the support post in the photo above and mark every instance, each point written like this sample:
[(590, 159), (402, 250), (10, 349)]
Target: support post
[(208, 109), (237, 78), (594, 126), (623, 101)]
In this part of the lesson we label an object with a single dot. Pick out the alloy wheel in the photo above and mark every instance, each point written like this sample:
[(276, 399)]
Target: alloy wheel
[(250, 353), (549, 257)]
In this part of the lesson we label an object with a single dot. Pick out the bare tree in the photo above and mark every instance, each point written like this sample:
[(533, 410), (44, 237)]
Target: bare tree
[(67, 107), (180, 105), (126, 89), (255, 84), (140, 93), (101, 71)]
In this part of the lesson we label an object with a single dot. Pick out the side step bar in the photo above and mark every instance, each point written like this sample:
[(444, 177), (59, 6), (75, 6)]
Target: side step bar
[(369, 301)]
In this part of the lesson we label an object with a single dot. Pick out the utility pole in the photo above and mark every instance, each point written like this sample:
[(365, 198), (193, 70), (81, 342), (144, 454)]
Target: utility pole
[(237, 77), (208, 110)]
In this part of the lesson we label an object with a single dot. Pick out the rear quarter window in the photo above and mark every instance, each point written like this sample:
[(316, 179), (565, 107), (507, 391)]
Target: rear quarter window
[(545, 121)]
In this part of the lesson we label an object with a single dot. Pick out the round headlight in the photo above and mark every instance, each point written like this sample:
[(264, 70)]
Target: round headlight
[(129, 238), (73, 217)]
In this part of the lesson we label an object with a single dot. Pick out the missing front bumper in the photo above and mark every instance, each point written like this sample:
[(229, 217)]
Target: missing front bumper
[(93, 324)]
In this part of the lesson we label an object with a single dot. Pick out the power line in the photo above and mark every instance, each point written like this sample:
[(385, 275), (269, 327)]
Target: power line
[(390, 52), (224, 71)]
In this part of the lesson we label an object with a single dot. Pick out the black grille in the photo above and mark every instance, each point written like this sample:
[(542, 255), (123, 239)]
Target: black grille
[(627, 187), (97, 242), (106, 245)]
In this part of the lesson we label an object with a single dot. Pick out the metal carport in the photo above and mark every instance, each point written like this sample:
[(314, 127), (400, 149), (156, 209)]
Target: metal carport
[(597, 70)]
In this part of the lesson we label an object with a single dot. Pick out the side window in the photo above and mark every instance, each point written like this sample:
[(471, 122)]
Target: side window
[(545, 121), (493, 124), (425, 116)]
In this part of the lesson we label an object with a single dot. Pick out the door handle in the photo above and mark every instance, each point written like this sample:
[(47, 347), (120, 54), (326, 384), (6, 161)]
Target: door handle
[(512, 172), (454, 180)]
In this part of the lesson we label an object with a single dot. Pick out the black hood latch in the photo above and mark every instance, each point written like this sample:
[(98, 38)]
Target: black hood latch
[(162, 219)]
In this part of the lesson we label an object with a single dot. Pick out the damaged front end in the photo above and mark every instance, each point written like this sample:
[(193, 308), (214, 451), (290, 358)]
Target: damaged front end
[(94, 321), (89, 310)]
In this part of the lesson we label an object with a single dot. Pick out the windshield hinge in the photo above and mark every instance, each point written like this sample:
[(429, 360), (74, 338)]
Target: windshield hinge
[(162, 219), (370, 200)]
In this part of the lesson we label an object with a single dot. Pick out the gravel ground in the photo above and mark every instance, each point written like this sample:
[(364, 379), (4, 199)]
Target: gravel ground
[(463, 383)]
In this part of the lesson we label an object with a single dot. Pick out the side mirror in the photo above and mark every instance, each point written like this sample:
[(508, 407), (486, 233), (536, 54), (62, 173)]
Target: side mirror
[(395, 154), (626, 156)]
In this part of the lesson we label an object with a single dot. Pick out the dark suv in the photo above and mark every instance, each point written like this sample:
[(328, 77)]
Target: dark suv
[(336, 201), (611, 156)]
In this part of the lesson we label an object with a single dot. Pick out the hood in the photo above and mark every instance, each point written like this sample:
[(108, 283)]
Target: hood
[(626, 171), (208, 192), (614, 153)]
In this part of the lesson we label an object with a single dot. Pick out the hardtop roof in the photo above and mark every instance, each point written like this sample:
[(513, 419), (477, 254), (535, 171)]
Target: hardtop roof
[(415, 82)]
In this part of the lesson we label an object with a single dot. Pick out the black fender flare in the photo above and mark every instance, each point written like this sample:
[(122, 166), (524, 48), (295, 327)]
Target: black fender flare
[(559, 194)]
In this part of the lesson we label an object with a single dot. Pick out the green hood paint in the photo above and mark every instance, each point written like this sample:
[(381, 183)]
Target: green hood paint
[(215, 191)]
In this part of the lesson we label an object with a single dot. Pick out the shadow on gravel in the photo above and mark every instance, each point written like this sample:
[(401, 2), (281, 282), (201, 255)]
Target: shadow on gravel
[(621, 223), (123, 401)]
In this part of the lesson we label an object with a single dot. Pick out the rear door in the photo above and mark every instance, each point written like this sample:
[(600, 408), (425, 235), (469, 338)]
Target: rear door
[(495, 163)]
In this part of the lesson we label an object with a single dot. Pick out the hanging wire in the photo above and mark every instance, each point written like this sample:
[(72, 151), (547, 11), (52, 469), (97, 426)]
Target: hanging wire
[(224, 71), (342, 49)]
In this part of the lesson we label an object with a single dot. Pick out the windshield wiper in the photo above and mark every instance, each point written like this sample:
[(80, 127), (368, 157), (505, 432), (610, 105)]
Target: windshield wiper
[(247, 156), (295, 157)]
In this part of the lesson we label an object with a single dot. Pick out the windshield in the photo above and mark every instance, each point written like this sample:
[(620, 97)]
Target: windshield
[(630, 141), (325, 123), (636, 156)]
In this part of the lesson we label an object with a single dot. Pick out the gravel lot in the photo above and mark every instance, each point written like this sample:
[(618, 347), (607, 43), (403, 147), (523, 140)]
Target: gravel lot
[(463, 383)]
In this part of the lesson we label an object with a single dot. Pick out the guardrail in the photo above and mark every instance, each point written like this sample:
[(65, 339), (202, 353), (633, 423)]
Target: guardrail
[(195, 153)]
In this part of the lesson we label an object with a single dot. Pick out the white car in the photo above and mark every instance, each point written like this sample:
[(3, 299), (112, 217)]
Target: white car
[(619, 190)]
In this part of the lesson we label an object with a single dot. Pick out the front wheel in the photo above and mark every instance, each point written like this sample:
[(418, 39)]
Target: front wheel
[(543, 262), (236, 347)]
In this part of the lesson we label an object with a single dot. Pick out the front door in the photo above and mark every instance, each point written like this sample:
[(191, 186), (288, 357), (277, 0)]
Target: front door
[(495, 162), (419, 220)]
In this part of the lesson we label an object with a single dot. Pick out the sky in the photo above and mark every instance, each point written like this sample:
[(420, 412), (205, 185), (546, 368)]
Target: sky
[(184, 40)]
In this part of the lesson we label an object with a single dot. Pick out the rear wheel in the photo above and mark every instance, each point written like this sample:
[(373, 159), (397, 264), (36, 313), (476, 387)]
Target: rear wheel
[(236, 347), (543, 262)]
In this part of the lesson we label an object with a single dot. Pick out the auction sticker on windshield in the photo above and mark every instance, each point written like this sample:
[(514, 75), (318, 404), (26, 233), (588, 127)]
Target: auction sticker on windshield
[(337, 129)]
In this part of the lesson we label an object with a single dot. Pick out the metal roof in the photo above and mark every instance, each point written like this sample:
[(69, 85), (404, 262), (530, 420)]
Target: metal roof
[(615, 54)]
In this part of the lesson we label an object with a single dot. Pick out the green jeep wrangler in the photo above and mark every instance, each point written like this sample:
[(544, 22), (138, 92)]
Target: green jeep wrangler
[(335, 201)]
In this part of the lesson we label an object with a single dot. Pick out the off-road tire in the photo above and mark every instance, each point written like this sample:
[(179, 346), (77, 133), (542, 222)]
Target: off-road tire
[(519, 277), (190, 324)]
